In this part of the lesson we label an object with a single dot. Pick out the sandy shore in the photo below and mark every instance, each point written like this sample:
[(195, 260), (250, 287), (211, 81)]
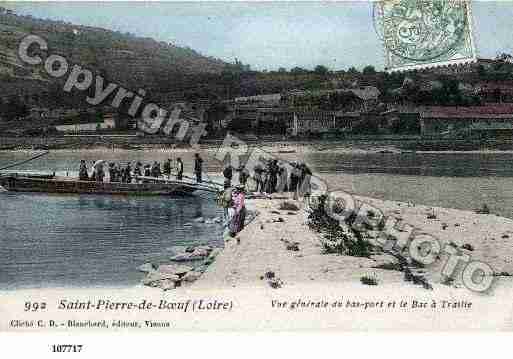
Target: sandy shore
[(319, 291), (262, 248)]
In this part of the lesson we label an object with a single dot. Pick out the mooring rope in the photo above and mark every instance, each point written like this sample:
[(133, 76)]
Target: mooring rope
[(24, 161)]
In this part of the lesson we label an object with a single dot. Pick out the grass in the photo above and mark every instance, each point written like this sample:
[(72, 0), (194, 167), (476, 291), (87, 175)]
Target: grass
[(389, 266), (288, 206), (336, 238), (369, 280), (468, 247), (448, 281)]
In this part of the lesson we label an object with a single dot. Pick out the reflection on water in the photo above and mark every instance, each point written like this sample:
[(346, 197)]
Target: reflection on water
[(55, 240), (462, 180), (418, 164)]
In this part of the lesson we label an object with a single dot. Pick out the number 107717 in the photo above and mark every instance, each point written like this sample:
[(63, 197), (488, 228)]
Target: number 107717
[(66, 348)]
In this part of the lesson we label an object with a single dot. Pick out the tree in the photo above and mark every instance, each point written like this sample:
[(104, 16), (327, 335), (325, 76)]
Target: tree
[(481, 72), (2, 107), (298, 70), (282, 70), (369, 70), (504, 57), (15, 108), (353, 71), (321, 70)]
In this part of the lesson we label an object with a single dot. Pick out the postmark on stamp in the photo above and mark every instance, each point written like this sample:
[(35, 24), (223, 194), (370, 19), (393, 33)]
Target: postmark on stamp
[(418, 33)]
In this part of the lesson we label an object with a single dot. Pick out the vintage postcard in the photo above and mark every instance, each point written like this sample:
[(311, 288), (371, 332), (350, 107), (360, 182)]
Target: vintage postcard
[(422, 34), (244, 166)]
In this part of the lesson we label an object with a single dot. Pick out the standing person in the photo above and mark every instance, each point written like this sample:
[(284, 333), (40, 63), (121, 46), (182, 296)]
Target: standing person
[(137, 170), (273, 176), (265, 180), (93, 172), (82, 172), (237, 221), (153, 169), (283, 182), (304, 180), (112, 172), (98, 171), (147, 172), (158, 170), (128, 173), (243, 176), (167, 168), (226, 202), (198, 167), (294, 179), (228, 175), (116, 172), (179, 169), (257, 177), (121, 173)]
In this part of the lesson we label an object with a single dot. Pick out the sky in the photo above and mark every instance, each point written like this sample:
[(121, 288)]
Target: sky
[(266, 35)]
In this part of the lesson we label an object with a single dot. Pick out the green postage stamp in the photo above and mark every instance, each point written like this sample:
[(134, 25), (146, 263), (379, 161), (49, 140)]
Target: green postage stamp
[(419, 34)]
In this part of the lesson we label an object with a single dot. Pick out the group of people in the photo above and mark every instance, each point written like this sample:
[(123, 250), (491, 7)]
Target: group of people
[(273, 177), (128, 174), (270, 178)]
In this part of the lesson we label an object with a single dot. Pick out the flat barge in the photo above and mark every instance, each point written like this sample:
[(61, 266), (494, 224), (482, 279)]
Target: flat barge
[(70, 185)]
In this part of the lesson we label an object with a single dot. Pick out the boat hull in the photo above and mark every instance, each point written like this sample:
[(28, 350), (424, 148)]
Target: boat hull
[(69, 186)]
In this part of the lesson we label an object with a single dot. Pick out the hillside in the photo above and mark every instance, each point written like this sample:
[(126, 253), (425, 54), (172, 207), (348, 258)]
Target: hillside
[(131, 61)]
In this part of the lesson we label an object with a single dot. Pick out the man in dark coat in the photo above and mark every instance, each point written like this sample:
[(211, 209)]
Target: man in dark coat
[(167, 168), (198, 167), (228, 175), (82, 172)]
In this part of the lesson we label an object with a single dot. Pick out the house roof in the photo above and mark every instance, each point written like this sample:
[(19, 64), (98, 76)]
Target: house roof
[(347, 114), (76, 120), (469, 116), (492, 109), (314, 115), (268, 97), (246, 116), (492, 86), (364, 93), (275, 110)]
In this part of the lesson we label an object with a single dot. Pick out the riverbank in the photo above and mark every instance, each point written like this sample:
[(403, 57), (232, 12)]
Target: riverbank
[(263, 248), (317, 291), (280, 144)]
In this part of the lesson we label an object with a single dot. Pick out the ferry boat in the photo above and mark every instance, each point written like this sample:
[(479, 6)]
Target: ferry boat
[(54, 184)]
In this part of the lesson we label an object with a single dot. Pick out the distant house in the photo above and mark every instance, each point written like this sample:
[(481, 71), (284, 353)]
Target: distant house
[(268, 99), (274, 120), (244, 121), (312, 122), (491, 120), (491, 91), (38, 113), (110, 120), (84, 123), (345, 120), (347, 99)]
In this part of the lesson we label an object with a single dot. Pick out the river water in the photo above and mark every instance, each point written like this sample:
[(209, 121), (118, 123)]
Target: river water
[(77, 241)]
